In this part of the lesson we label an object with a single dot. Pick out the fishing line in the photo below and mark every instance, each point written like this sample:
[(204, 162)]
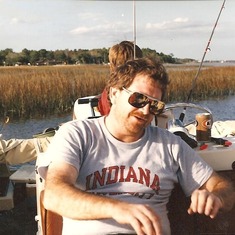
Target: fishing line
[(182, 115)]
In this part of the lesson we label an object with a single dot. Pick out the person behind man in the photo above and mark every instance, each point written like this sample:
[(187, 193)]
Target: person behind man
[(118, 55), (115, 174)]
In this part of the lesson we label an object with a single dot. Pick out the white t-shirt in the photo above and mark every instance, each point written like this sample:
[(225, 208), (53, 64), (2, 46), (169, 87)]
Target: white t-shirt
[(142, 172)]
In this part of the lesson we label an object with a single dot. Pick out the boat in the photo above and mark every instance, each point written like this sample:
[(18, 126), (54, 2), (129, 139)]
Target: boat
[(220, 156)]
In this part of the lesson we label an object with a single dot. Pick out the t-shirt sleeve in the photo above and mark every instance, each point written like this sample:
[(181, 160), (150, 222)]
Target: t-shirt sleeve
[(193, 171), (66, 146)]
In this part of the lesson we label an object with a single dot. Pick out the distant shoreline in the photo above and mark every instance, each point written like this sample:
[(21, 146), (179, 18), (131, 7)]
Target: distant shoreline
[(205, 64)]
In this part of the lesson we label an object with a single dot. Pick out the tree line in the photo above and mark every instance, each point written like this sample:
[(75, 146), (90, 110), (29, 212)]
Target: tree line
[(77, 56)]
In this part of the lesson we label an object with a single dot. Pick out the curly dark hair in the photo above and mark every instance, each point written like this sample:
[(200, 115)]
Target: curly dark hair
[(124, 75)]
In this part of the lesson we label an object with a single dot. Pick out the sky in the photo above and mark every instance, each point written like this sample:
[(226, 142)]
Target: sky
[(179, 28)]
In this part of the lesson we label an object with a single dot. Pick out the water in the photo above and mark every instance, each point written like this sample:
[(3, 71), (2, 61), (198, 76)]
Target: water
[(222, 109), (26, 129)]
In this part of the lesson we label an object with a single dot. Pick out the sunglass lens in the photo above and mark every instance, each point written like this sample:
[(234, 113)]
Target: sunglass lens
[(156, 107), (137, 100)]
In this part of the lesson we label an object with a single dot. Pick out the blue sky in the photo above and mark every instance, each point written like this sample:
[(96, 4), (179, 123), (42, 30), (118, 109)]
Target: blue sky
[(181, 28)]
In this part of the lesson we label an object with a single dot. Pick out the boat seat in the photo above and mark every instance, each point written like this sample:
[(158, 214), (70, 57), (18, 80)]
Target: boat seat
[(86, 107), (49, 223), (52, 223)]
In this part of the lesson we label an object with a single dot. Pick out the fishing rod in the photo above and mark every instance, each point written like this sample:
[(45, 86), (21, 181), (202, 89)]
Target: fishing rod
[(182, 115), (134, 27)]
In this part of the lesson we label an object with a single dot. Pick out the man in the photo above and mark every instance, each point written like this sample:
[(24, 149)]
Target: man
[(118, 55), (115, 174)]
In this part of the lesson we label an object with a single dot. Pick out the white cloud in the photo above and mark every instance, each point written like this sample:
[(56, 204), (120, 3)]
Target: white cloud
[(177, 22), (109, 27), (81, 30), (24, 20), (14, 20), (90, 16)]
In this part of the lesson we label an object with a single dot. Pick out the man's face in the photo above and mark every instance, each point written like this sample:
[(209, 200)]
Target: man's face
[(134, 120)]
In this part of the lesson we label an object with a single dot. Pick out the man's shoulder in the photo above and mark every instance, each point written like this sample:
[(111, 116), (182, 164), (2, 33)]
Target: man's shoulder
[(159, 130), (164, 135)]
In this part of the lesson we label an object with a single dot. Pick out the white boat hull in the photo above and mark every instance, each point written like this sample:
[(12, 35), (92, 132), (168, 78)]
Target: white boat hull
[(219, 157)]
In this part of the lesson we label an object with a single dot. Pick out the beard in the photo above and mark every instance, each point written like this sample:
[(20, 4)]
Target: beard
[(136, 122)]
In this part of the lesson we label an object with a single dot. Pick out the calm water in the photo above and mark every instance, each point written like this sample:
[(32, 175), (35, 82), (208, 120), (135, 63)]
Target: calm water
[(222, 109)]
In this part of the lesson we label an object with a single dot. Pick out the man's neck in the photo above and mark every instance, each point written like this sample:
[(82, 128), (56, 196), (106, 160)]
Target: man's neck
[(119, 132)]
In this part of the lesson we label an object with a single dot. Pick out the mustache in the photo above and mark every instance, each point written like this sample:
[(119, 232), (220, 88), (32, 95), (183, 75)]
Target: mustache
[(140, 115)]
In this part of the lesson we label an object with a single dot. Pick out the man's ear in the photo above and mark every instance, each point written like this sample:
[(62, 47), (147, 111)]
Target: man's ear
[(113, 94)]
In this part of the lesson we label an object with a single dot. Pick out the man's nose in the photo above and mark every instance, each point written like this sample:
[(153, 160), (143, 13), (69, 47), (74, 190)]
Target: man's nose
[(145, 109)]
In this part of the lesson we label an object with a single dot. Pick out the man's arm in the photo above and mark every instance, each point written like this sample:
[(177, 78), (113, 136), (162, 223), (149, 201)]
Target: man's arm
[(216, 194), (62, 197)]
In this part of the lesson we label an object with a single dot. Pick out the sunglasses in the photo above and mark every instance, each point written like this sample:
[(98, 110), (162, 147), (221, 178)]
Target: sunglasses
[(139, 100)]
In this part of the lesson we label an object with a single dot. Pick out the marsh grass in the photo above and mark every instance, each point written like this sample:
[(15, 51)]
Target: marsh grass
[(212, 82), (28, 92)]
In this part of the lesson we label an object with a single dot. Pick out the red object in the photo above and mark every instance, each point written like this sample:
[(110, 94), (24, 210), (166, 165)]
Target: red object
[(227, 143), (104, 105), (204, 146)]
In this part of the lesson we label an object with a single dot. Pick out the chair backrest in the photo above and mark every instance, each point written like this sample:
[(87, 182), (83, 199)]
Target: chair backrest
[(86, 107), (49, 223)]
